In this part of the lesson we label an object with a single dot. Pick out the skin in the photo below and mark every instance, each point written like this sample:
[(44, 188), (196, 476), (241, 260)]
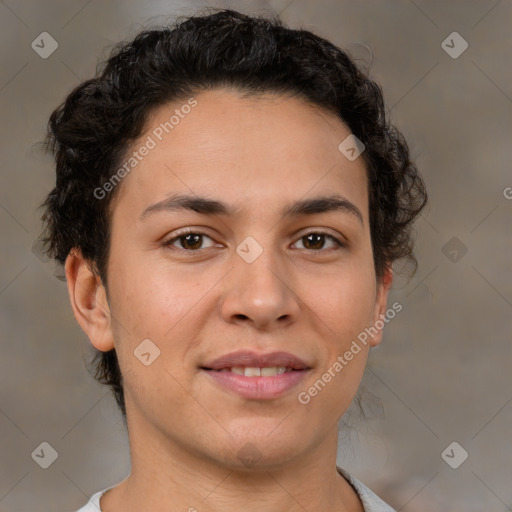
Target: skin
[(256, 155)]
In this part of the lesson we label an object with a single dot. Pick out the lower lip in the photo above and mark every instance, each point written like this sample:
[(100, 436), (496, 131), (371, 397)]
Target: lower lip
[(258, 388)]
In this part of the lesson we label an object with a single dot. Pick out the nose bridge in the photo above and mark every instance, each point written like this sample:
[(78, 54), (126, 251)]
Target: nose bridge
[(258, 290)]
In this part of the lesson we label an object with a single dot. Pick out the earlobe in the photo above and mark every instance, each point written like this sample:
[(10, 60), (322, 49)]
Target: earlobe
[(89, 301), (383, 287)]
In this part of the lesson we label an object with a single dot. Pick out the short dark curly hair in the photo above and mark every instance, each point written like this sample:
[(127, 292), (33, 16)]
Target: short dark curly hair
[(254, 55)]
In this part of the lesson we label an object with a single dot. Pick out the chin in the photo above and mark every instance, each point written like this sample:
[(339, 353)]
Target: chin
[(260, 451)]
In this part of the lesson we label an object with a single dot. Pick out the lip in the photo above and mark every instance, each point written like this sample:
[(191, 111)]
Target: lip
[(257, 388), (248, 358)]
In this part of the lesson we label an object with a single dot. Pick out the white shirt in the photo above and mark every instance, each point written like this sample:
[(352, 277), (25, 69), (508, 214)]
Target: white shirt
[(371, 502)]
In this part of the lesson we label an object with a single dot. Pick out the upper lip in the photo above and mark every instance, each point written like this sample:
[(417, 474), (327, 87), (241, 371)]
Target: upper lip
[(247, 358)]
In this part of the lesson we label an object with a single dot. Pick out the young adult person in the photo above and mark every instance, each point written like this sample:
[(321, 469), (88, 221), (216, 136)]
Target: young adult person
[(230, 199)]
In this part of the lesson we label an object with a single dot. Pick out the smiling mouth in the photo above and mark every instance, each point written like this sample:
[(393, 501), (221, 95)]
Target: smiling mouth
[(256, 376), (249, 371), (257, 383)]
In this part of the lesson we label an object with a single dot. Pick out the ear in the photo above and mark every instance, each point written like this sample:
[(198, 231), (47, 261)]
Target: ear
[(381, 300), (89, 301)]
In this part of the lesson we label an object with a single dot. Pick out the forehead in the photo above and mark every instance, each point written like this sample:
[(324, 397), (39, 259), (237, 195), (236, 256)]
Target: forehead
[(253, 152)]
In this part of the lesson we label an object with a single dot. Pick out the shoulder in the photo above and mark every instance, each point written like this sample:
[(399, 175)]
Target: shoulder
[(371, 502), (93, 505)]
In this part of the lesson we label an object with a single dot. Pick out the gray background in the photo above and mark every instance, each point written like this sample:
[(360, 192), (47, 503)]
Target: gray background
[(443, 372)]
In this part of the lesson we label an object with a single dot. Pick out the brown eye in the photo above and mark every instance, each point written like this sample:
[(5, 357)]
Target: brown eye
[(316, 240), (192, 241), (189, 241)]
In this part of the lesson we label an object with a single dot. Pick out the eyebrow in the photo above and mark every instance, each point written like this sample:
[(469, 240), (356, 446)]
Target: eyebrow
[(207, 206)]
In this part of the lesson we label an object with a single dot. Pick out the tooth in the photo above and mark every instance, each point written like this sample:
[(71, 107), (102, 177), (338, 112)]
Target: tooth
[(281, 369), (267, 372), (252, 372), (238, 370)]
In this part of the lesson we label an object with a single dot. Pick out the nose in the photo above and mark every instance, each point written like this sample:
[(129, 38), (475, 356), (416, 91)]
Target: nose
[(260, 294)]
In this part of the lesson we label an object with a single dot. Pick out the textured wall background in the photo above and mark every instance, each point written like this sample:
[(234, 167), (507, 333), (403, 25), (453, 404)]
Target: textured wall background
[(443, 372)]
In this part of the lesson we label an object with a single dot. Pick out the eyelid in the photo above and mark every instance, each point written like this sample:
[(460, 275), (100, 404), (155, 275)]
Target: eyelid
[(167, 240), (339, 239), (323, 231)]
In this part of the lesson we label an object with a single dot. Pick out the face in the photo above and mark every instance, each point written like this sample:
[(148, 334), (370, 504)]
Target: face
[(250, 271)]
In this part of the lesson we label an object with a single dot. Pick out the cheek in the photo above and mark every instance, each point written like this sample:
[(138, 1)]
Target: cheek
[(343, 314), (167, 306), (152, 299), (162, 305), (345, 302)]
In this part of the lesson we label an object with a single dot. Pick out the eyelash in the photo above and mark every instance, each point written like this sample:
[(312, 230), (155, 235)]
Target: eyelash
[(169, 243)]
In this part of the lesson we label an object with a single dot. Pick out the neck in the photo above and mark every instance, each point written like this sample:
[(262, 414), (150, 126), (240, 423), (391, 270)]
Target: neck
[(165, 474)]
